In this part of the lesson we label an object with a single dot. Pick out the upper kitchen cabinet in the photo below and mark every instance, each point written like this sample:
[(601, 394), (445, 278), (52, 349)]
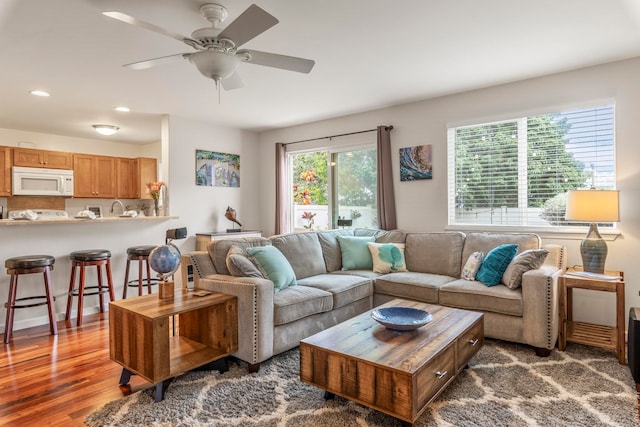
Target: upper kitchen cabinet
[(133, 176), (5, 171), (30, 157), (94, 176)]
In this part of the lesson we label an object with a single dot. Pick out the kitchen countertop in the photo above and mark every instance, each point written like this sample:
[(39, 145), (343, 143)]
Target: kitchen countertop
[(71, 220)]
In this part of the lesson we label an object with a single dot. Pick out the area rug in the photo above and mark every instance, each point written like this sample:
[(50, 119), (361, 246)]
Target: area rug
[(506, 385)]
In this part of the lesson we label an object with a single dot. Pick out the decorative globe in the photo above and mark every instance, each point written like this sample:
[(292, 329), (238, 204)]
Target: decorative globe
[(165, 260)]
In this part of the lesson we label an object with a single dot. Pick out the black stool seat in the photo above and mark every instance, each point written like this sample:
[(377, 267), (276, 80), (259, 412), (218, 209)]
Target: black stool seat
[(29, 264), (143, 250), (90, 255), (29, 261)]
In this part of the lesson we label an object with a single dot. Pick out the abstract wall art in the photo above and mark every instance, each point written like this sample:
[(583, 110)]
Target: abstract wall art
[(215, 169), (415, 163)]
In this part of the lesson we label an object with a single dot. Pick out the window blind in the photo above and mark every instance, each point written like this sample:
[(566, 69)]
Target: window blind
[(516, 172)]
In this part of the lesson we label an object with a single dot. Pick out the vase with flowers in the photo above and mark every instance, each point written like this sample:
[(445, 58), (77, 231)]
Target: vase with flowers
[(153, 189)]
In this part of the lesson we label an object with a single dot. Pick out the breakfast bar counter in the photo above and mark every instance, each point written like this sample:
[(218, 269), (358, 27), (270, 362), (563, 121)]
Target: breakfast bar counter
[(13, 222)]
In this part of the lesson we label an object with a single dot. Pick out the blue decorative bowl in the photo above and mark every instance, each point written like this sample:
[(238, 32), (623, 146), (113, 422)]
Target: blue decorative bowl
[(401, 318)]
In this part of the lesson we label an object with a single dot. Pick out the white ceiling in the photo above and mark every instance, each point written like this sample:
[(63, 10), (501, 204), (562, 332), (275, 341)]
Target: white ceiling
[(369, 54)]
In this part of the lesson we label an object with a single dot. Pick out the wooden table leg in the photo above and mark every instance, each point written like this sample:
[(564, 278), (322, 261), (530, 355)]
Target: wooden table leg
[(620, 323), (562, 327)]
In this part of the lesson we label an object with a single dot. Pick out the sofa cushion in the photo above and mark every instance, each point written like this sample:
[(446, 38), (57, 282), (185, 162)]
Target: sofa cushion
[(495, 263), (355, 252), (218, 250), (303, 251), (484, 242), (387, 257), (362, 273), (525, 261), (436, 253), (331, 248), (344, 288), (298, 302), (473, 295), (241, 266), (416, 286), (273, 265)]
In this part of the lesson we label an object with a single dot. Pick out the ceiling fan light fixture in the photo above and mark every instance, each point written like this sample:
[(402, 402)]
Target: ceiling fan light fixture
[(215, 65), (106, 130)]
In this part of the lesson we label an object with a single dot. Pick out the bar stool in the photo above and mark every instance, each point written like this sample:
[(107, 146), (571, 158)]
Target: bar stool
[(140, 254), (27, 265), (87, 258)]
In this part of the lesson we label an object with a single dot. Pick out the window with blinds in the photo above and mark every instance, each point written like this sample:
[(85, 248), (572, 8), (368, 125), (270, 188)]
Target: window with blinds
[(517, 172)]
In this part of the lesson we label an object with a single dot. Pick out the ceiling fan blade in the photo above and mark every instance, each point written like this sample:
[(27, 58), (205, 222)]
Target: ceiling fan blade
[(284, 62), (155, 61), (139, 23), (232, 82), (249, 24)]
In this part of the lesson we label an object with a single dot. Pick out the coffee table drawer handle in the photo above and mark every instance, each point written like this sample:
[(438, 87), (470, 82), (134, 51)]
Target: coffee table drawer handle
[(473, 342), (440, 375)]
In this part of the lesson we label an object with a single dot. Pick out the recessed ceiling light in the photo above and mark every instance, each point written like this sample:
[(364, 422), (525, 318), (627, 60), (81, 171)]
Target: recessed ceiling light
[(39, 93), (122, 109), (106, 129)]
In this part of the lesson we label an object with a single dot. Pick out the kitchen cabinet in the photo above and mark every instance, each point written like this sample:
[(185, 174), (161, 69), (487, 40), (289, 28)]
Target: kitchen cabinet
[(33, 158), (94, 176), (133, 176), (5, 171)]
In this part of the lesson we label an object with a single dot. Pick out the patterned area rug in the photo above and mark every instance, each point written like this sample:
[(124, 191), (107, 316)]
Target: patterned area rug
[(506, 385)]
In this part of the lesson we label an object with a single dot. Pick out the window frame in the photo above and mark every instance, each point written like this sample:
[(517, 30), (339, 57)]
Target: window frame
[(552, 231)]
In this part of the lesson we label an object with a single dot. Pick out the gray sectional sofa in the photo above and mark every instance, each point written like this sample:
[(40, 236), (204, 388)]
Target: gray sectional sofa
[(272, 322)]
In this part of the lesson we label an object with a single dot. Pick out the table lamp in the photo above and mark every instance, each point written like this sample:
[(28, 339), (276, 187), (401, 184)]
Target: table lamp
[(593, 206)]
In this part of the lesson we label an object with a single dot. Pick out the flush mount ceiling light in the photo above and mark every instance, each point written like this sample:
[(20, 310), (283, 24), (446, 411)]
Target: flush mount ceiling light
[(122, 109), (106, 129), (39, 93)]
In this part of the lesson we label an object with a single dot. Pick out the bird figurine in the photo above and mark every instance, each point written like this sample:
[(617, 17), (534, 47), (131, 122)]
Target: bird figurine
[(230, 214)]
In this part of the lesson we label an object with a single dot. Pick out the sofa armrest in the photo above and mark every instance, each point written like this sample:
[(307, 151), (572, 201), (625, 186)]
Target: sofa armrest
[(255, 313), (202, 265), (540, 311)]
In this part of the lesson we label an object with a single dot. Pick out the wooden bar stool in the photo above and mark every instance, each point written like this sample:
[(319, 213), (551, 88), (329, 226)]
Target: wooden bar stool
[(83, 259), (28, 265), (140, 254)]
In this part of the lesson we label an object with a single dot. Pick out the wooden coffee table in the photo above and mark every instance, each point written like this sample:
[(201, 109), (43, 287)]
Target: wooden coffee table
[(142, 341), (395, 372)]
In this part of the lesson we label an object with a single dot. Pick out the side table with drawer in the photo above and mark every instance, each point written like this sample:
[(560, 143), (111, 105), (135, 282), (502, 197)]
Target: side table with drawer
[(609, 337)]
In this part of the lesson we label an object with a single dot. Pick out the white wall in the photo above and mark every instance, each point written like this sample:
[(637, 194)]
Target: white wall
[(200, 208), (422, 205)]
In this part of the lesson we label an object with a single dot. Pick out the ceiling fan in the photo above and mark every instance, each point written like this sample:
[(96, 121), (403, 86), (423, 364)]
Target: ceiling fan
[(216, 51)]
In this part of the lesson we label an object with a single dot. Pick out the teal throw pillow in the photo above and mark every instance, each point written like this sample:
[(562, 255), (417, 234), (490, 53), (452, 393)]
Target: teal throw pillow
[(355, 252), (495, 264), (274, 264)]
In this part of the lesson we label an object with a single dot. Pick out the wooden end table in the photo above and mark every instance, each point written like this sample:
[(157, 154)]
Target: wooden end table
[(587, 333), (140, 337)]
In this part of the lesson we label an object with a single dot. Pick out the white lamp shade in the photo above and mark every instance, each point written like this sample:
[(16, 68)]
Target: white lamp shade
[(106, 129), (593, 206)]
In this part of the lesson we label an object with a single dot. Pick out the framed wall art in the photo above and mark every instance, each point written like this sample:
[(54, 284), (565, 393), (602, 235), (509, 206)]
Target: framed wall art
[(215, 169), (416, 163)]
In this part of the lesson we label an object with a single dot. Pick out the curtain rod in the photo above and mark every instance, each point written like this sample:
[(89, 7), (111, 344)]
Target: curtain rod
[(335, 136)]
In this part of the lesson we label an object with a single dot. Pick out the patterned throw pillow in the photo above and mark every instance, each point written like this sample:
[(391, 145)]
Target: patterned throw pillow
[(387, 257), (527, 260), (241, 266), (274, 264), (472, 266), (495, 263)]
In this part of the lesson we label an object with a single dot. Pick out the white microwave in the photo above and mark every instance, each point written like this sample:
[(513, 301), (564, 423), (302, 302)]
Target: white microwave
[(41, 182)]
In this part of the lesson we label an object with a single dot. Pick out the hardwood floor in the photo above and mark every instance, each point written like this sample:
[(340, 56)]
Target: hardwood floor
[(50, 380)]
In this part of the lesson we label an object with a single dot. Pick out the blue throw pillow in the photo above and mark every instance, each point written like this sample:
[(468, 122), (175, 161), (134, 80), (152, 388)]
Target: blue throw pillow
[(355, 252), (495, 264), (274, 264)]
